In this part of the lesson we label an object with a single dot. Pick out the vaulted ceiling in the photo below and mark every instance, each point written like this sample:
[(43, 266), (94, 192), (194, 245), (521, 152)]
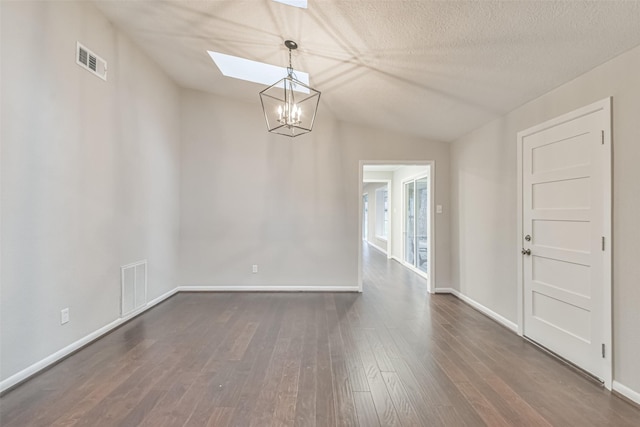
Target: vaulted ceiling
[(436, 69)]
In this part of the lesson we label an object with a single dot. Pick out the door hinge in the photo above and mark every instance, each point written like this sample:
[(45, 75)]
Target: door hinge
[(603, 243), (603, 351), (602, 133)]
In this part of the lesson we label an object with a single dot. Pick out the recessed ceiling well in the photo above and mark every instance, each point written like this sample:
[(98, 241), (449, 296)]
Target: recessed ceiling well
[(295, 3), (252, 71)]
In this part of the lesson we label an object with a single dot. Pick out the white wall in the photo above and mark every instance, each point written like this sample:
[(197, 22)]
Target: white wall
[(89, 177), (289, 205), (483, 184)]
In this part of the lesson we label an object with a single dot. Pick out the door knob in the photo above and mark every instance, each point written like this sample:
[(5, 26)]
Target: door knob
[(526, 251)]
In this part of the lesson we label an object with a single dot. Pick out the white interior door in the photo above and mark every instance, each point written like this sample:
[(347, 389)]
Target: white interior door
[(565, 227)]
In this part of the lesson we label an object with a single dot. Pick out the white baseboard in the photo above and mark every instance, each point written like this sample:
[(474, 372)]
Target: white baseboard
[(627, 392), (374, 246), (481, 308), (62, 353), (254, 288)]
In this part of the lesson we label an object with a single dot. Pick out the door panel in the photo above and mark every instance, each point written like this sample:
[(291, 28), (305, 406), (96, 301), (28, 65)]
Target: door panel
[(571, 235), (569, 276), (560, 155), (562, 213), (562, 194), (556, 313)]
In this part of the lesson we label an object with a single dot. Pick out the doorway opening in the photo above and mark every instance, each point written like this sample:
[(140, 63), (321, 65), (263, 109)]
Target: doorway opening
[(396, 214)]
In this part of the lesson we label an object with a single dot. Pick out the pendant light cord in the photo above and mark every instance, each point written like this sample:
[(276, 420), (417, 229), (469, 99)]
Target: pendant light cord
[(290, 68)]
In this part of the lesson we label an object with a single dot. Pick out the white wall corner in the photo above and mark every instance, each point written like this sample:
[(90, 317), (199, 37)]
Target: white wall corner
[(630, 394)]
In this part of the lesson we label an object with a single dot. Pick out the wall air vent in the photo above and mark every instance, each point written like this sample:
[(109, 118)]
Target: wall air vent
[(134, 287), (90, 61)]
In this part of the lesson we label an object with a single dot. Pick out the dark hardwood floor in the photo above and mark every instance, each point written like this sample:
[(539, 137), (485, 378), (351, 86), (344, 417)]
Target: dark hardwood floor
[(392, 356)]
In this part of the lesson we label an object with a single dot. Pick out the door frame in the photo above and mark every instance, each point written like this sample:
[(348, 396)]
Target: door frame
[(413, 179), (431, 283), (602, 105)]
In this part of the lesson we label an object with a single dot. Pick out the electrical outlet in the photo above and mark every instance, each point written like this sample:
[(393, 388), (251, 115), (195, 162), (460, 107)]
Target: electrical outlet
[(254, 269), (64, 316)]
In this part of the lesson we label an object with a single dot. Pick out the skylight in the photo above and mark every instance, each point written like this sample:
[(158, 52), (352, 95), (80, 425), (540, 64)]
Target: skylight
[(302, 4), (253, 71)]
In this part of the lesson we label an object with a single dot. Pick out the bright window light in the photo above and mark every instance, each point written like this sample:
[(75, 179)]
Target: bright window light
[(253, 71), (302, 4)]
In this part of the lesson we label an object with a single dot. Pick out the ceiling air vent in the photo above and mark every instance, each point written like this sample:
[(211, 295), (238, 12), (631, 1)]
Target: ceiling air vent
[(91, 62)]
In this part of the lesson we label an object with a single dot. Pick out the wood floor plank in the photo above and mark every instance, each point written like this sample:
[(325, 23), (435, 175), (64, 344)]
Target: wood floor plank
[(391, 356), (381, 399), (236, 352), (325, 408), (366, 410), (263, 410), (483, 407), (221, 417), (97, 387), (342, 394), (305, 415), (128, 395), (404, 407), (477, 377), (425, 408), (357, 376), (260, 354), (285, 406), (379, 352)]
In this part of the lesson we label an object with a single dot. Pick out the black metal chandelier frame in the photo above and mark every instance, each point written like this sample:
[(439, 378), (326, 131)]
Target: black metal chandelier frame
[(288, 94)]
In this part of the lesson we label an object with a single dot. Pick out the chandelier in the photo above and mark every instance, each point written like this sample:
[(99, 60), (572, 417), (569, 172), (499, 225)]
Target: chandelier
[(289, 105)]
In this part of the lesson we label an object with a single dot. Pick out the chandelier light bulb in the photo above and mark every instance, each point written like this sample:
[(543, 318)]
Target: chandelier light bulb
[(290, 115)]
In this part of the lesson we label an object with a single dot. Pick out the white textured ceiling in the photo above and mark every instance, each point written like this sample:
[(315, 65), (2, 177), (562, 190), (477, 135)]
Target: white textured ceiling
[(434, 69)]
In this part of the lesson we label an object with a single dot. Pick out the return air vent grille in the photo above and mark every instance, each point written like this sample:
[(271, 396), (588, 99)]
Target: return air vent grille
[(82, 56), (91, 62), (134, 287)]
